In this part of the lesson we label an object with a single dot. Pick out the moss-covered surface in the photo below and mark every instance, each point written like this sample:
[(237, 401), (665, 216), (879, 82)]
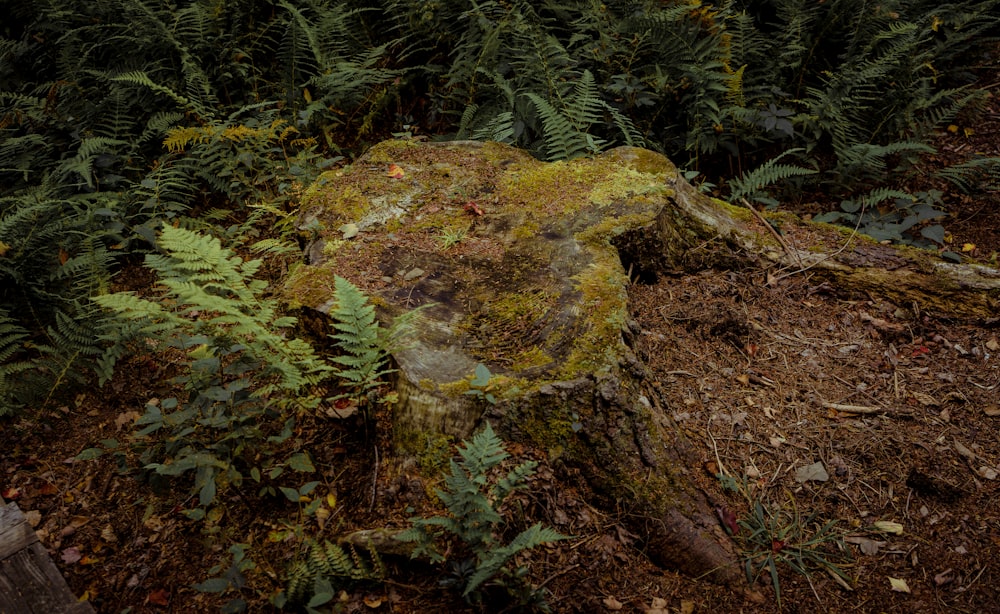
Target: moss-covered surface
[(534, 289)]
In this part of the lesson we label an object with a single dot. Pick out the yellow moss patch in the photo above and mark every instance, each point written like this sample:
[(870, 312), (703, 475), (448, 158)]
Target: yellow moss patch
[(612, 226), (625, 183), (388, 152), (604, 303), (308, 286), (530, 358)]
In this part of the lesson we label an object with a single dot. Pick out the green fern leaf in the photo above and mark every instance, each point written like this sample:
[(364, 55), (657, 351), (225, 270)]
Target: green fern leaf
[(496, 558), (769, 173)]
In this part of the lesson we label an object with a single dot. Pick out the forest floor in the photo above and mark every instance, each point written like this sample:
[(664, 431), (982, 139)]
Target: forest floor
[(820, 405)]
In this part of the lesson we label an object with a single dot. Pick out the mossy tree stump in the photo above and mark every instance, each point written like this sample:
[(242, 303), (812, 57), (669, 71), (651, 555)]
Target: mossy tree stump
[(526, 265)]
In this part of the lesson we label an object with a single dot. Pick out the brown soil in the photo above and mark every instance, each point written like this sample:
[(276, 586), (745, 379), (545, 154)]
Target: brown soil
[(899, 407)]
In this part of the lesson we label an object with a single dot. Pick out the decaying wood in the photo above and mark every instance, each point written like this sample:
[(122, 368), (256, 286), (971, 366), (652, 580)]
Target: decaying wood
[(525, 266), (29, 580)]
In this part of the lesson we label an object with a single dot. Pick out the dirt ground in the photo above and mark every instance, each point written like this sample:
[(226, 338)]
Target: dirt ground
[(818, 404)]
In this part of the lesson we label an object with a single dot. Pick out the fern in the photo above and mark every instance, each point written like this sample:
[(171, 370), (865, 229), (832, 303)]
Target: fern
[(474, 512), (140, 78), (981, 173), (242, 372), (329, 566), (769, 173), (12, 342), (363, 357)]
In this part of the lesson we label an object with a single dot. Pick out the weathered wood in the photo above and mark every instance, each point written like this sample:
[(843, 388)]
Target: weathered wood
[(30, 583)]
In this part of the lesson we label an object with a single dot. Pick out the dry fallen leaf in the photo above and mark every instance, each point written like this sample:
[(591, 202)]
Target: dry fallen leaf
[(612, 604), (160, 597), (944, 577), (868, 546), (322, 515), (961, 449), (657, 606), (108, 534), (33, 517), (126, 419), (888, 526), (815, 472), (992, 410), (70, 555), (899, 585)]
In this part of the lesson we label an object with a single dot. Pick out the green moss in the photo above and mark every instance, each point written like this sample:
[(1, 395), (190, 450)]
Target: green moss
[(556, 188), (625, 183), (611, 226), (530, 358), (308, 286), (605, 304), (644, 161), (454, 389), (388, 152), (435, 454), (736, 212)]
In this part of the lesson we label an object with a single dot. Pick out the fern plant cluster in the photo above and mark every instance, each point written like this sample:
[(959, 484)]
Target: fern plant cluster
[(119, 115), (781, 96), (470, 533), (245, 380)]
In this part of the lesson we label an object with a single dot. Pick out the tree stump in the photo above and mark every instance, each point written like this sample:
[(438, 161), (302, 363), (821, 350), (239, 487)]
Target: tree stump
[(526, 266)]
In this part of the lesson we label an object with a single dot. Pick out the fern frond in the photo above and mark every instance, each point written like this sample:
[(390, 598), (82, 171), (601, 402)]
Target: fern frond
[(494, 560), (562, 140), (769, 173), (140, 78), (976, 174), (364, 357), (13, 337), (332, 565)]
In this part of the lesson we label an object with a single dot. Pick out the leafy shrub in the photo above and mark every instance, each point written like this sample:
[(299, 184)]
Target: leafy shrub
[(902, 221), (242, 374)]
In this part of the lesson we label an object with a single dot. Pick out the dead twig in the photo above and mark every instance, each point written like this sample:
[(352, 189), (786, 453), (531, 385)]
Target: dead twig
[(774, 233)]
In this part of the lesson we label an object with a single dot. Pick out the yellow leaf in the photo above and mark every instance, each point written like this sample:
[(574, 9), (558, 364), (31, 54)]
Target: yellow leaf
[(307, 95), (887, 526), (331, 500), (899, 585), (969, 247), (952, 128), (4, 248), (935, 23), (968, 131)]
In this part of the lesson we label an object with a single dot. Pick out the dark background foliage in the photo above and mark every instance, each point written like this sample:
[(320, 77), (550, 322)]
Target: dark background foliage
[(117, 116)]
